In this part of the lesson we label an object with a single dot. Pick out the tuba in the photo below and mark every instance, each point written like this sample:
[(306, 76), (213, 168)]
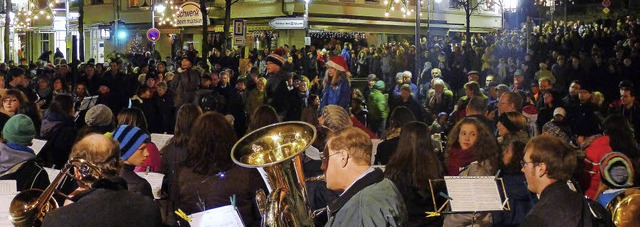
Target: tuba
[(29, 207), (276, 151), (625, 207)]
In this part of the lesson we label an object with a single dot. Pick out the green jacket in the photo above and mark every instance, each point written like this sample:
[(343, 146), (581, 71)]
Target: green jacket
[(377, 105), (371, 201)]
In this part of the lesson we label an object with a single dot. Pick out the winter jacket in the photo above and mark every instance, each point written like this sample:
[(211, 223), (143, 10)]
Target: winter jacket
[(370, 201), (186, 83), (107, 204), (18, 163), (167, 111), (60, 133), (135, 183), (520, 198), (336, 95), (255, 99), (596, 147), (558, 206)]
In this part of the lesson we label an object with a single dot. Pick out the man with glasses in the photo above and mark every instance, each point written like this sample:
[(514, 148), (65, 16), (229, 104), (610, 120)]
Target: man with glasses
[(548, 164), (368, 198)]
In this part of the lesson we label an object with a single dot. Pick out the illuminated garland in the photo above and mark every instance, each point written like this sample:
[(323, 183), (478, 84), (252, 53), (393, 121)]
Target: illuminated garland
[(23, 18)]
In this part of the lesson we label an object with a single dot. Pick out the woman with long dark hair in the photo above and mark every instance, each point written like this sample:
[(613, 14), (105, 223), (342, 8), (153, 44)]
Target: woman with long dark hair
[(59, 130), (411, 167), (208, 176), (263, 116), (175, 152), (400, 116)]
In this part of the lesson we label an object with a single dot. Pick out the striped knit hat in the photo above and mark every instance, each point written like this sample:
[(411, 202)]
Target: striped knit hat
[(276, 59), (130, 139)]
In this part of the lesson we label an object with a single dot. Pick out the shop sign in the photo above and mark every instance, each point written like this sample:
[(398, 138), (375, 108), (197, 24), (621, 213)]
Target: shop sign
[(189, 15), (288, 23)]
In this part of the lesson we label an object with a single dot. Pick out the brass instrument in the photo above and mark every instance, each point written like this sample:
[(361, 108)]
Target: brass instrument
[(625, 208), (29, 207), (276, 149)]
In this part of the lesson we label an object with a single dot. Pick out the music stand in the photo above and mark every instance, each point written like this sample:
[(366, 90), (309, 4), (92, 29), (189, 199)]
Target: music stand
[(479, 193)]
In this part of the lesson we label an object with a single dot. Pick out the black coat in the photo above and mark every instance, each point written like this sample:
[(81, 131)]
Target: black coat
[(167, 111), (135, 183), (559, 206), (108, 204), (28, 175)]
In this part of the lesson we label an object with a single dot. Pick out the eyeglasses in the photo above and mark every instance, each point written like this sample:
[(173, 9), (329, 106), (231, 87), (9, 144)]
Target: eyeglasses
[(9, 100), (324, 159), (523, 163)]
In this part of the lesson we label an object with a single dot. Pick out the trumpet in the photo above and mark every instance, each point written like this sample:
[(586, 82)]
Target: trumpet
[(29, 207)]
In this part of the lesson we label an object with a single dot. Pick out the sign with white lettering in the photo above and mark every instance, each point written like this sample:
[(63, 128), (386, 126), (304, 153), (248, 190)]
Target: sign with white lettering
[(288, 23), (189, 15)]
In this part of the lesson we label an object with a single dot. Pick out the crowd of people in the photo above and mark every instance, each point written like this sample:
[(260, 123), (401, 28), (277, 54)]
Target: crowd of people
[(544, 108)]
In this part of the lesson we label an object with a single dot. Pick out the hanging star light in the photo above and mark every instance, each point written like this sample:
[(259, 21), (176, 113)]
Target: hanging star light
[(170, 14), (403, 5)]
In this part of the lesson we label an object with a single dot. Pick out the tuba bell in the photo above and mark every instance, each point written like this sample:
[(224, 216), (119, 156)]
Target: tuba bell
[(625, 208), (276, 151), (29, 207)]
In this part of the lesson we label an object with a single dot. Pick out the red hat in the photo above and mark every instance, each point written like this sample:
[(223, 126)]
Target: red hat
[(338, 62)]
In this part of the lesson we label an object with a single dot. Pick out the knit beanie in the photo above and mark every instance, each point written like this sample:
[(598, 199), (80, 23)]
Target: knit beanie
[(276, 59), (616, 170), (130, 139), (99, 115), (379, 85), (19, 129)]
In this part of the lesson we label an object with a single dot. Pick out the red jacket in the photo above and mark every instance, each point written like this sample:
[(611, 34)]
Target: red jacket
[(590, 179)]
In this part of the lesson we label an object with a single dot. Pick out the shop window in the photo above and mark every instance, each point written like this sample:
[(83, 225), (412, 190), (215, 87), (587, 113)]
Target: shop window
[(44, 41)]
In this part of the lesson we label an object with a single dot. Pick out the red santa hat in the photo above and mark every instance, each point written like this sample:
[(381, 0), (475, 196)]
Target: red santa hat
[(338, 62)]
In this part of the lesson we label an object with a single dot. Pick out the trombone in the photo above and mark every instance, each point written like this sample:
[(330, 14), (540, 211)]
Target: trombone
[(29, 207)]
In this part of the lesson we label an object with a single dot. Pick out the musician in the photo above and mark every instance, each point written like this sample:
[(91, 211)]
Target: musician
[(17, 160), (547, 165), (368, 198), (105, 202), (133, 146)]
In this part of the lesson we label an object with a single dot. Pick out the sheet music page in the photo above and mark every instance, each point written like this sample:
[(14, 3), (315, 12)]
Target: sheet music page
[(155, 180), (88, 102), (8, 190), (221, 216), (37, 145), (160, 139), (374, 150), (53, 173), (469, 193)]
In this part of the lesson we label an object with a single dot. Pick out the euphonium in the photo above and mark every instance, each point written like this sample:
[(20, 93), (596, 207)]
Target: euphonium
[(625, 208), (29, 207), (276, 151)]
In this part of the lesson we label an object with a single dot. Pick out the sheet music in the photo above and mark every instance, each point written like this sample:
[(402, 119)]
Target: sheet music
[(375, 143), (155, 180), (37, 145), (88, 102), (221, 216), (160, 139), (8, 190), (53, 173), (470, 193)]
